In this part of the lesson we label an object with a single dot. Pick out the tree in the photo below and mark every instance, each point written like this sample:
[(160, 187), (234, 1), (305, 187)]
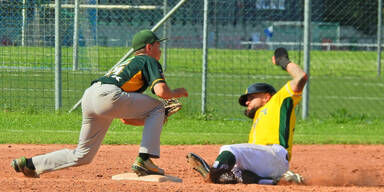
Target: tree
[(362, 15)]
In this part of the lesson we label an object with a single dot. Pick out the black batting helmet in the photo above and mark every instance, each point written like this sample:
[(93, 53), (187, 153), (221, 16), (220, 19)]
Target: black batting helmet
[(256, 88)]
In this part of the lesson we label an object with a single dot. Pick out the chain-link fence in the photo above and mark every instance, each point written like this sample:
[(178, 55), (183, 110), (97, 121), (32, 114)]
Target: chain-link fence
[(242, 34)]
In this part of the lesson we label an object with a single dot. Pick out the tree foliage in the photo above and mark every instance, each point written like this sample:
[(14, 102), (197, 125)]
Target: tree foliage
[(357, 13)]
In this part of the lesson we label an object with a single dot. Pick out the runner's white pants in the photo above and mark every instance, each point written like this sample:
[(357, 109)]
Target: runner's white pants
[(265, 160)]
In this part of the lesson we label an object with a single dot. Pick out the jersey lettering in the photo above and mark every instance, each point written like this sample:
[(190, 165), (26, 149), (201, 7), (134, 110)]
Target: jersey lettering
[(116, 77), (264, 111), (117, 70)]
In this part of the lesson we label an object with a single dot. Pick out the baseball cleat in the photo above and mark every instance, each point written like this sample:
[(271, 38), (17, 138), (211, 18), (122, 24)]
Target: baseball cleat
[(20, 165), (147, 167), (293, 177), (198, 164)]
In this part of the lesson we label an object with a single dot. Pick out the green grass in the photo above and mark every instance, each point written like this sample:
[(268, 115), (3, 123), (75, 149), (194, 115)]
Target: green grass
[(356, 95), (49, 128)]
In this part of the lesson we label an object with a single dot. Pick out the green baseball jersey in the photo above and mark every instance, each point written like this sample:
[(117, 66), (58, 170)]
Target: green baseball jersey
[(135, 74)]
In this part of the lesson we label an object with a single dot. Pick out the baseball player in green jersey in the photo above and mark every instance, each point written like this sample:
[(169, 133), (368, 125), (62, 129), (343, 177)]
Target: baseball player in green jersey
[(265, 158), (118, 94)]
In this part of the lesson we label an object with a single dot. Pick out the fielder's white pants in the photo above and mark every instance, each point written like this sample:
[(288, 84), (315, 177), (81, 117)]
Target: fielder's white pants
[(101, 103), (265, 160)]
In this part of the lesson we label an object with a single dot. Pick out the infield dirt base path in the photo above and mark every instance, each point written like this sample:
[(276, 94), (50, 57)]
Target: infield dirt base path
[(324, 167)]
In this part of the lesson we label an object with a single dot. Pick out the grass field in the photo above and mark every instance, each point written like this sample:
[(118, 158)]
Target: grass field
[(49, 128), (340, 81)]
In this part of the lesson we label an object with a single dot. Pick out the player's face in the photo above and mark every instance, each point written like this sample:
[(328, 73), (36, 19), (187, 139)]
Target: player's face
[(254, 102), (154, 50)]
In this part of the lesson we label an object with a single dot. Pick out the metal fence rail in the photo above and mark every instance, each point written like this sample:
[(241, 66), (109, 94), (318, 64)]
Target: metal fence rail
[(215, 58)]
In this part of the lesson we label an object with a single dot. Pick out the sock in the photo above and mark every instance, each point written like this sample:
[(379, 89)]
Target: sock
[(29, 164), (225, 160), (144, 156)]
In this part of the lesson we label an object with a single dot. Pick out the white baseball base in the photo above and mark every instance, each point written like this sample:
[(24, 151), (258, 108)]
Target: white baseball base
[(151, 178)]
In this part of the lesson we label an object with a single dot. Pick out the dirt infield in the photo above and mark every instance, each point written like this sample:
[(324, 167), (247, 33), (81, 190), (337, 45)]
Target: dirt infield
[(325, 168)]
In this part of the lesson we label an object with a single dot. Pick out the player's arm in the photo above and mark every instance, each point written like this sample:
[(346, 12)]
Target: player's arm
[(299, 77), (158, 85), (281, 58), (162, 90)]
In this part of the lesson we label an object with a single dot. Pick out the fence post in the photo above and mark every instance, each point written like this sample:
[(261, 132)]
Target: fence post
[(379, 26), (307, 49), (24, 23), (58, 99), (76, 36), (205, 56), (165, 35)]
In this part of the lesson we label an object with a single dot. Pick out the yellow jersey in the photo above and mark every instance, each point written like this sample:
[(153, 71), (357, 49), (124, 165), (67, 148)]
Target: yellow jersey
[(274, 123)]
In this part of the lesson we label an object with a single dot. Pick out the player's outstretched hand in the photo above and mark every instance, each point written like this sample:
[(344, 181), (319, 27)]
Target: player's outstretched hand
[(181, 92)]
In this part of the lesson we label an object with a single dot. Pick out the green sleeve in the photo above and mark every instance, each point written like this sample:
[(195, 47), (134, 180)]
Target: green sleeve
[(153, 73)]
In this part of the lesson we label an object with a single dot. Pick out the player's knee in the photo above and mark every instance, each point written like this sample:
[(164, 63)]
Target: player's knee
[(158, 111), (226, 158), (84, 161), (160, 108), (84, 158)]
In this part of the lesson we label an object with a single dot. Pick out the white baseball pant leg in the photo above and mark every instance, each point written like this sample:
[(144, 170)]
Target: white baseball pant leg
[(268, 161)]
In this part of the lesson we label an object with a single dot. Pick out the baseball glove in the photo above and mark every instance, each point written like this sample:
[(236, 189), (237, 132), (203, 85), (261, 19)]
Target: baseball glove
[(282, 58), (171, 106)]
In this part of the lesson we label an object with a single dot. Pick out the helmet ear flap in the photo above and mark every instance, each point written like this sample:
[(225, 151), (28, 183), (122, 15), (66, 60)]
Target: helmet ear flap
[(243, 99)]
